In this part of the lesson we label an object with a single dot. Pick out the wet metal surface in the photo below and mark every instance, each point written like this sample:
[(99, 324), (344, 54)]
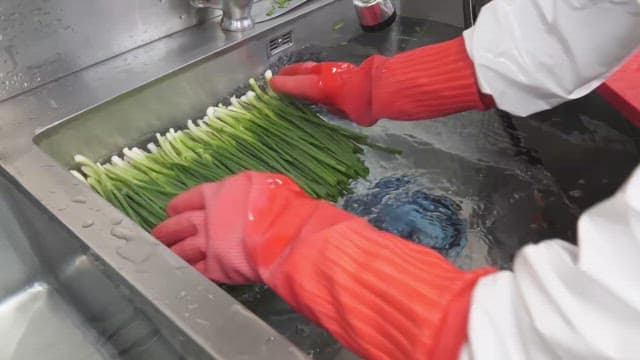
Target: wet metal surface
[(39, 38), (55, 301)]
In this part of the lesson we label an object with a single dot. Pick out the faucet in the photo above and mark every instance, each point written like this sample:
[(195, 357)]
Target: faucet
[(375, 15), (236, 14)]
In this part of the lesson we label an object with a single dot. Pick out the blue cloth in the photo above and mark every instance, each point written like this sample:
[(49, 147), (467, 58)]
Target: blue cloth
[(431, 220)]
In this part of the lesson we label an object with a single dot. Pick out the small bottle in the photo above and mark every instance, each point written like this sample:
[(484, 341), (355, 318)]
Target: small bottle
[(375, 15)]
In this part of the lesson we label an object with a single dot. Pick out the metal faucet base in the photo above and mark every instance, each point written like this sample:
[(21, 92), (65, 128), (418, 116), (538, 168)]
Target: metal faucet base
[(236, 25), (381, 26), (236, 14), (375, 15)]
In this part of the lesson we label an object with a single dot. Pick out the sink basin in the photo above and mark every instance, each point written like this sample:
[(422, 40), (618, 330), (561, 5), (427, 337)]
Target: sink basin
[(56, 299), (515, 180)]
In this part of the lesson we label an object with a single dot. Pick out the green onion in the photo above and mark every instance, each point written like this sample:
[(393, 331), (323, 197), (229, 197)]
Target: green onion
[(260, 131)]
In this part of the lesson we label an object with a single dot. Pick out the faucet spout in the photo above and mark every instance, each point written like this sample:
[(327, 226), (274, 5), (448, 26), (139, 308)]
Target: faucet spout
[(236, 14)]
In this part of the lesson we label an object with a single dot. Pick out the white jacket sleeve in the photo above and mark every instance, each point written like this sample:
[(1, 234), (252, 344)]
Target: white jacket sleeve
[(563, 301), (531, 55)]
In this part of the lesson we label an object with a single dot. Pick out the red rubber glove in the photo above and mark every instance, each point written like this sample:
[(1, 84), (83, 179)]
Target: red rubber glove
[(381, 296), (622, 89), (424, 83)]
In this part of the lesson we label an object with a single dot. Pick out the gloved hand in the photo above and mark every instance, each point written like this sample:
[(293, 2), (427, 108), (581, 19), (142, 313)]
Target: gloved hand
[(424, 83), (233, 229), (383, 297)]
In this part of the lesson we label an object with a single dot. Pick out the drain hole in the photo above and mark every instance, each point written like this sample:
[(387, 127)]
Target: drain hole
[(279, 43)]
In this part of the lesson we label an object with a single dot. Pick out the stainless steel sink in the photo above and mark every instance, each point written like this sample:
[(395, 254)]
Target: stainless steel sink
[(122, 294), (95, 283), (58, 300)]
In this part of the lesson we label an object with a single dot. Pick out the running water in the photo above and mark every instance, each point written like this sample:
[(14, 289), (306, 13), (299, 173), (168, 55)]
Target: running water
[(431, 220)]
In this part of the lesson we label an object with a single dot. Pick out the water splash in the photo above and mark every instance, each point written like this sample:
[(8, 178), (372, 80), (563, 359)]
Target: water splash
[(303, 330), (431, 220)]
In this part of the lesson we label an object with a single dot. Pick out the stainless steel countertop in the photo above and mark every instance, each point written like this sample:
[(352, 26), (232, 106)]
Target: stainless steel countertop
[(41, 40)]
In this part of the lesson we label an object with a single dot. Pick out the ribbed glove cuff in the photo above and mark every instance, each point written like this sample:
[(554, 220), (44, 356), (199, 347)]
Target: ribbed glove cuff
[(381, 296), (428, 82)]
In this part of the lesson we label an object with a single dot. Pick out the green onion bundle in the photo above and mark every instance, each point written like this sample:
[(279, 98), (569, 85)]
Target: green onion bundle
[(260, 131)]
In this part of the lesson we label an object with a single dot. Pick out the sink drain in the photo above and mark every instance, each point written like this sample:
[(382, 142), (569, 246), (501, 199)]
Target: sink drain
[(279, 43)]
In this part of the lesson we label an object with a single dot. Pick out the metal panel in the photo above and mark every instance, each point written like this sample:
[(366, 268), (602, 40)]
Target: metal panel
[(41, 40)]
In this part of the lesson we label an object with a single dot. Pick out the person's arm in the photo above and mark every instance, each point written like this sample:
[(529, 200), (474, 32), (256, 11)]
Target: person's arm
[(531, 55), (423, 83), (381, 296), (524, 55), (563, 301), (386, 298)]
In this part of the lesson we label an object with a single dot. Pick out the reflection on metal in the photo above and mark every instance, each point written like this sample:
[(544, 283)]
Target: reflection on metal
[(236, 14), (54, 297), (43, 40), (375, 15)]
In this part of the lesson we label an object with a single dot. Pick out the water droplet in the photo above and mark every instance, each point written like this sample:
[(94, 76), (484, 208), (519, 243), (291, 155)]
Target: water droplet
[(136, 251), (79, 200), (121, 233), (303, 330), (210, 296), (117, 220), (187, 315), (192, 306), (203, 322), (269, 340), (576, 193), (182, 295), (87, 224), (311, 353)]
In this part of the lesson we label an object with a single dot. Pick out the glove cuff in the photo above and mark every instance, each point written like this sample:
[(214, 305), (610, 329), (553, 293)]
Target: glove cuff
[(381, 296), (289, 216), (428, 82)]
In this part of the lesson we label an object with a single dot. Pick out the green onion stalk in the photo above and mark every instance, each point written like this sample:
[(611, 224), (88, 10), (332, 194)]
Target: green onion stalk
[(261, 131)]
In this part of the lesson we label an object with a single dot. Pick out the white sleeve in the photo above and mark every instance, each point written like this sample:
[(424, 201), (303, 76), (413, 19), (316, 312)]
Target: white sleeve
[(531, 55), (563, 301)]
